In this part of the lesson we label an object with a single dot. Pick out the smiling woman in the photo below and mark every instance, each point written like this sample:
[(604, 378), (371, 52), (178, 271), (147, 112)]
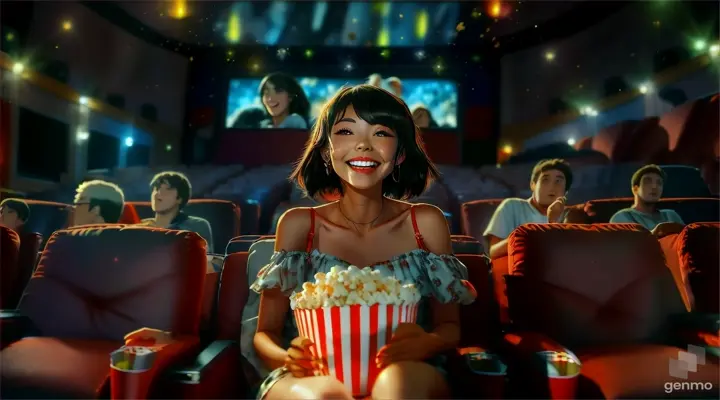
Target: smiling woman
[(388, 132)]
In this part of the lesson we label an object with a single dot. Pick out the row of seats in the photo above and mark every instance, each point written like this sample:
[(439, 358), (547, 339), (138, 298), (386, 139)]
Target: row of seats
[(606, 293)]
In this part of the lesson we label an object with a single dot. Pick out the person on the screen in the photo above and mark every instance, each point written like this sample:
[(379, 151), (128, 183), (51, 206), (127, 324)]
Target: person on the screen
[(285, 102), (375, 80), (249, 118), (171, 192), (394, 86), (647, 188), (423, 119)]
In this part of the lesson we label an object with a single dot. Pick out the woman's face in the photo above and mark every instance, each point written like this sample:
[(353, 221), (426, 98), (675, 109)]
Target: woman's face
[(362, 155), (276, 102), (422, 118)]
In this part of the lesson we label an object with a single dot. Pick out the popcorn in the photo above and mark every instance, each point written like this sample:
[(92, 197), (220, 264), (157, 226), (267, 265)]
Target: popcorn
[(353, 286)]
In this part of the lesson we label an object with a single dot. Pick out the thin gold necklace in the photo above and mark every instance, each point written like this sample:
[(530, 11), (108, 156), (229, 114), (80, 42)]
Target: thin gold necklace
[(355, 224)]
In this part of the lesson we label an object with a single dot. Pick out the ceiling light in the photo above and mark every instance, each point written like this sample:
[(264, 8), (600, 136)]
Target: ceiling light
[(18, 68)]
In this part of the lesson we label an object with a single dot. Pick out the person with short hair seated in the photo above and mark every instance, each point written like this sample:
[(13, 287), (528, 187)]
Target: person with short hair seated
[(647, 188), (550, 181), (97, 202), (171, 192), (14, 213)]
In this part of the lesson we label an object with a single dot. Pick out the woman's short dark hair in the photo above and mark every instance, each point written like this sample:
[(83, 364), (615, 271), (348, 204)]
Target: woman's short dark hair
[(299, 103), (174, 180), (375, 106)]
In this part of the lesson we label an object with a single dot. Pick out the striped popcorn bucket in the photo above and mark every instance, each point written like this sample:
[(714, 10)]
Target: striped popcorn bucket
[(347, 339)]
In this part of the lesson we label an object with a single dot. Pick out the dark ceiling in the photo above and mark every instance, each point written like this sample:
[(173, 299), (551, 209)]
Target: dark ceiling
[(317, 23)]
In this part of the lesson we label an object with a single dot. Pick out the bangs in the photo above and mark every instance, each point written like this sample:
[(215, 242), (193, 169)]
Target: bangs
[(374, 106)]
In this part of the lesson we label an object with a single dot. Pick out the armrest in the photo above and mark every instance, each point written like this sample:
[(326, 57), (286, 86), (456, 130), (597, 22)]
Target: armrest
[(132, 385), (700, 329), (203, 364), (525, 353), (214, 373), (476, 373), (13, 326)]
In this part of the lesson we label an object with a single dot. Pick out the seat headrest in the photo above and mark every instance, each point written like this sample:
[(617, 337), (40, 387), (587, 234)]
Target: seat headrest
[(106, 281)]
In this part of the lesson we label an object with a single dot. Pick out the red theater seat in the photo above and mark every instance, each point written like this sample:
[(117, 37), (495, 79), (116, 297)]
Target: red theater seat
[(476, 215), (9, 264), (129, 215), (693, 129), (223, 216), (93, 286), (30, 243), (46, 217), (633, 141), (698, 247), (691, 209), (605, 293)]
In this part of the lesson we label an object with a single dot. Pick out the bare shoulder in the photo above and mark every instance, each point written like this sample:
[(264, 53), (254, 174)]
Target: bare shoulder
[(292, 229), (433, 227)]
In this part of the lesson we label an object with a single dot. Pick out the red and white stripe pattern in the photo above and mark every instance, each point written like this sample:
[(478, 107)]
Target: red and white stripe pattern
[(348, 338)]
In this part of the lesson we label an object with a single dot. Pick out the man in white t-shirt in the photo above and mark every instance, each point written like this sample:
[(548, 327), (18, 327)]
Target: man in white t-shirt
[(647, 187), (550, 181)]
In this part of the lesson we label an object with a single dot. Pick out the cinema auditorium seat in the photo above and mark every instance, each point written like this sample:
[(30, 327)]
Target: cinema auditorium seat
[(129, 215), (604, 293), (698, 247), (30, 243), (702, 209), (223, 216), (91, 288), (693, 131), (46, 217), (476, 215), (9, 264)]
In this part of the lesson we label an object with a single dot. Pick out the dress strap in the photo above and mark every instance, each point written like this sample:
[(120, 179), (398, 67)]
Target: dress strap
[(418, 236), (311, 233)]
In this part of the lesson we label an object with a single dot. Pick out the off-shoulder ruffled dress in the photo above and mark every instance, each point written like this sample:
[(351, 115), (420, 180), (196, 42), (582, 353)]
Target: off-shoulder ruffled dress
[(443, 277)]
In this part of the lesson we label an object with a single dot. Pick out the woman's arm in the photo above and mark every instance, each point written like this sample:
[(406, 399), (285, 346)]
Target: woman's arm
[(446, 317), (274, 305)]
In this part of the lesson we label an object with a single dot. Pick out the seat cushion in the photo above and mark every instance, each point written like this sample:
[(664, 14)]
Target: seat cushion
[(641, 372), (60, 368), (699, 257)]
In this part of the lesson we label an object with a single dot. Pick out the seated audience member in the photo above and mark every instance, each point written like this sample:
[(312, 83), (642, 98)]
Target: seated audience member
[(97, 202), (249, 118), (647, 187), (375, 80), (550, 182), (394, 85), (14, 213), (423, 119), (171, 191)]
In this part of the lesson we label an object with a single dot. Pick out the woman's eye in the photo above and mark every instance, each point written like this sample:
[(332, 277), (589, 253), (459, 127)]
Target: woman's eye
[(343, 132), (383, 134)]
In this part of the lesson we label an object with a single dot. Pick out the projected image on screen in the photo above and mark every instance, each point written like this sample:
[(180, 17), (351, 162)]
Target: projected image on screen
[(246, 111)]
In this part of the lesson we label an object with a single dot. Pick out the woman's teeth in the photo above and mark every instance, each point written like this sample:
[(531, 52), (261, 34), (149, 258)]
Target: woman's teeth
[(363, 164)]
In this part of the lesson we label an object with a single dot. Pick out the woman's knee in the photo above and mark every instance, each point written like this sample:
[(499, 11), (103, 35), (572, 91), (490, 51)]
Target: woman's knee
[(410, 380), (310, 388)]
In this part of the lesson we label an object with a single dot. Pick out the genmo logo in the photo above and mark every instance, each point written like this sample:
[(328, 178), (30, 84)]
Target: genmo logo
[(687, 386), (687, 362)]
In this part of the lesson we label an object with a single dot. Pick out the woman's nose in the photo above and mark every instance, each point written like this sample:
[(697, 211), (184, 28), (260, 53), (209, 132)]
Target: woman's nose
[(363, 146)]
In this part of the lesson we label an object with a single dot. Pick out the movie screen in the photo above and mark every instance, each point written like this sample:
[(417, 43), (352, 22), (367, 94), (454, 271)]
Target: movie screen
[(433, 101)]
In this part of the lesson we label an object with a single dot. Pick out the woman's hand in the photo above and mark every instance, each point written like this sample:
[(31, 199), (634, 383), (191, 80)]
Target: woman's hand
[(148, 337), (410, 342), (299, 360)]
